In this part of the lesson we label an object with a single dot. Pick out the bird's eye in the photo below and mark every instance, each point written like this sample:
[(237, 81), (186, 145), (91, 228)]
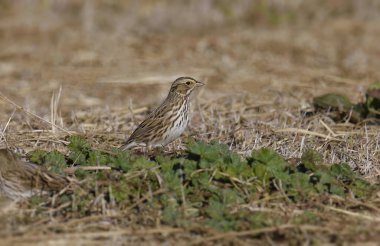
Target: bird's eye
[(188, 82)]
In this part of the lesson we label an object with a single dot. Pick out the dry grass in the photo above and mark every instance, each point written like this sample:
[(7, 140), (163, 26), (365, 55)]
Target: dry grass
[(89, 68)]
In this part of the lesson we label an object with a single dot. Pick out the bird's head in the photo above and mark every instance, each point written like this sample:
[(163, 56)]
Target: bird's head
[(185, 85)]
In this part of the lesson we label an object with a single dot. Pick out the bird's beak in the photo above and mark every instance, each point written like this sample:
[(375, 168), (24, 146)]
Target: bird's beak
[(199, 84)]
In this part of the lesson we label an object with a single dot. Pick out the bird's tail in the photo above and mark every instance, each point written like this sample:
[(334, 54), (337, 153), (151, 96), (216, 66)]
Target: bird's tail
[(127, 146)]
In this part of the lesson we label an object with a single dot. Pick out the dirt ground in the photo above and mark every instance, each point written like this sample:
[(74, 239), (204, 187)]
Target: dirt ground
[(96, 69)]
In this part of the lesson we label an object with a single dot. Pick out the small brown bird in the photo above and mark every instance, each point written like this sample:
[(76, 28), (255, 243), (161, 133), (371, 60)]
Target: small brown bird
[(167, 122), (20, 179)]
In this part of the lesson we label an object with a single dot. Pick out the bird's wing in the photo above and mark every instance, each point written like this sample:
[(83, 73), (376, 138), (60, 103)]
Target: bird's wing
[(154, 121)]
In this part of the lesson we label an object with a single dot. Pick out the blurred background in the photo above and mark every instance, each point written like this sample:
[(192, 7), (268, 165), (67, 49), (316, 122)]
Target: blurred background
[(114, 54)]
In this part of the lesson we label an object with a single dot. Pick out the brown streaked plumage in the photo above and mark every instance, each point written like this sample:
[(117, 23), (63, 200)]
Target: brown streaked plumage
[(167, 122), (20, 179)]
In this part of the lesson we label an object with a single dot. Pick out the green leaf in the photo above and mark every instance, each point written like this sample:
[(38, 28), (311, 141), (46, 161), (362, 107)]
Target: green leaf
[(300, 183), (311, 159), (96, 158), (78, 143), (38, 156), (231, 196), (342, 172), (337, 190), (79, 150), (333, 102), (120, 190), (120, 160), (324, 181), (171, 214), (220, 157), (201, 179), (189, 167), (220, 217), (270, 158), (55, 162), (361, 188), (268, 164)]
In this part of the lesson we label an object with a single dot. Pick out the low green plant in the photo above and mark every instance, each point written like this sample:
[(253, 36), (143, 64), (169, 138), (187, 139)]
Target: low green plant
[(340, 108), (53, 161), (208, 183), (79, 150)]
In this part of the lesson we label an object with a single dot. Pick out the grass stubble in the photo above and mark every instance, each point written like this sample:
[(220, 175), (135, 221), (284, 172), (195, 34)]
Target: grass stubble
[(127, 197)]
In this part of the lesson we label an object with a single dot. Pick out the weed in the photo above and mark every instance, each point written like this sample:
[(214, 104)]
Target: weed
[(341, 108), (53, 161), (208, 183)]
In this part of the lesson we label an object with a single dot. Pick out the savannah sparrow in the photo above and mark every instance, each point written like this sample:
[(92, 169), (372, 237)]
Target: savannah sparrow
[(167, 122), (20, 179)]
